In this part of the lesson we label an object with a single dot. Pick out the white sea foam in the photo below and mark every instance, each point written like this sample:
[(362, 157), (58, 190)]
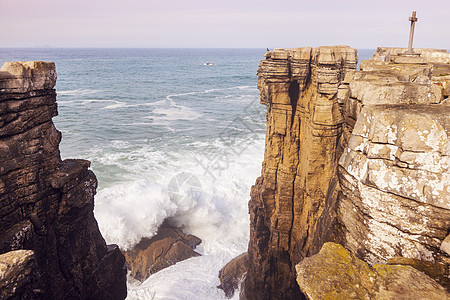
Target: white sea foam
[(195, 278), (128, 212), (116, 104), (217, 213), (79, 92), (175, 112)]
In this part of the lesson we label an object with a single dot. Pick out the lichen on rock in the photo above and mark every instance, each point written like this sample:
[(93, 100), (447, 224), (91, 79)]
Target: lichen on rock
[(360, 158), (336, 273)]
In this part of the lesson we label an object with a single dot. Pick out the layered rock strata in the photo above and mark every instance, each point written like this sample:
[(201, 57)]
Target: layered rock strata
[(360, 158), (169, 246), (46, 205), (394, 181), (299, 87)]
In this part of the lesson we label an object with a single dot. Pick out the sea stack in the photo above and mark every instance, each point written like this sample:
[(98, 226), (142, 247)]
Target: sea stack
[(358, 158), (46, 204)]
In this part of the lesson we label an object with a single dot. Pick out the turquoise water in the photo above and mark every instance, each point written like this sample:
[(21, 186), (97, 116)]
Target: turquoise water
[(168, 137)]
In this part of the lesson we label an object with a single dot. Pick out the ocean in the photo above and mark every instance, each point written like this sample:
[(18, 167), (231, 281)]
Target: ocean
[(171, 133)]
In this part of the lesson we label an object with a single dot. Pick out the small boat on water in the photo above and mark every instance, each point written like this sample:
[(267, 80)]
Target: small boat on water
[(208, 64)]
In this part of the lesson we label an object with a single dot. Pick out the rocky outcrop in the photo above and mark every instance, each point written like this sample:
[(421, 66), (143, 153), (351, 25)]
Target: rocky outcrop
[(394, 171), (360, 158), (336, 273), (46, 205), (233, 274), (299, 87), (17, 274), (169, 246)]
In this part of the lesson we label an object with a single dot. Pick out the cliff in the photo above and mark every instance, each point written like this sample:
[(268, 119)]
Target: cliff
[(46, 204), (359, 158)]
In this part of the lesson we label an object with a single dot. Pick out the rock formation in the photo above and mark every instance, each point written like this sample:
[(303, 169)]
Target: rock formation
[(17, 274), (169, 246), (299, 87), (335, 273), (360, 158), (46, 205), (233, 274)]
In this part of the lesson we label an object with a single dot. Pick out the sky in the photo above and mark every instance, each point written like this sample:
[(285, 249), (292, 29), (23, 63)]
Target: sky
[(222, 24)]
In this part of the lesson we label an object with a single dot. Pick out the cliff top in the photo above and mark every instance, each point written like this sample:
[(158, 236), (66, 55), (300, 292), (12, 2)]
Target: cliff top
[(26, 76)]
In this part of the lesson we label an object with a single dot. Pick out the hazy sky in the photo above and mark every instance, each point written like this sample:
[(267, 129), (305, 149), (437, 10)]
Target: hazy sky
[(220, 23)]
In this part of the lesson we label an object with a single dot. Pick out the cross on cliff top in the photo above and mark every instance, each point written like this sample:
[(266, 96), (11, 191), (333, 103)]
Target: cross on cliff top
[(413, 20)]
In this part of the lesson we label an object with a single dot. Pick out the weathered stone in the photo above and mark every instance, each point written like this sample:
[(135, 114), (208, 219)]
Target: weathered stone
[(26, 76), (335, 273), (355, 157), (16, 274), (445, 245), (46, 204), (431, 55), (394, 172), (232, 274), (303, 120), (169, 246), (438, 271)]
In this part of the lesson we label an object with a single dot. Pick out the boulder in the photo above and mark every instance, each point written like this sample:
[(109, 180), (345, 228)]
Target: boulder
[(336, 273), (169, 246), (232, 274), (17, 269)]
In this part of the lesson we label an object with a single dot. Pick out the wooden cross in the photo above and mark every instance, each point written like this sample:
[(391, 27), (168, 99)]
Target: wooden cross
[(413, 20)]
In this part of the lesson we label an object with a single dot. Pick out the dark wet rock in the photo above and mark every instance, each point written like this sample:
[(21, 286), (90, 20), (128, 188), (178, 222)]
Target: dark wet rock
[(233, 274), (46, 204), (169, 246)]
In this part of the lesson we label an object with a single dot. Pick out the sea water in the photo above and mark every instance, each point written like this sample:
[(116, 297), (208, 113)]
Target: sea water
[(172, 134)]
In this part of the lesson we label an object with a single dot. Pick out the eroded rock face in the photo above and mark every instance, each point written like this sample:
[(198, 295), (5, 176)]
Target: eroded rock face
[(233, 274), (169, 246), (394, 172), (17, 273), (360, 158), (46, 205), (336, 273), (299, 87)]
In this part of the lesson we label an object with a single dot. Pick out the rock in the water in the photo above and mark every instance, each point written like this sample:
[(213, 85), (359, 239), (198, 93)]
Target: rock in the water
[(16, 274), (46, 204), (169, 246), (233, 274), (335, 273)]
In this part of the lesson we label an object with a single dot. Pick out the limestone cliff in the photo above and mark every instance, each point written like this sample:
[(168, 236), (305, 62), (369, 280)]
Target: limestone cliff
[(356, 157), (46, 205), (299, 87), (394, 172)]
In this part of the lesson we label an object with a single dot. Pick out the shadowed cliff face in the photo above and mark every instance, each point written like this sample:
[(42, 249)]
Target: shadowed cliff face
[(359, 158), (46, 205), (299, 88)]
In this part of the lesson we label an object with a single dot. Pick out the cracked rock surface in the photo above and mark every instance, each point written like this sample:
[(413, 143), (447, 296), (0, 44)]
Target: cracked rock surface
[(46, 204), (359, 158)]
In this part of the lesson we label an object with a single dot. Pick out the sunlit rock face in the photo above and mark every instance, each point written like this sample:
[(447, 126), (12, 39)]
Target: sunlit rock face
[(336, 273), (46, 205), (360, 158), (394, 171), (299, 87)]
